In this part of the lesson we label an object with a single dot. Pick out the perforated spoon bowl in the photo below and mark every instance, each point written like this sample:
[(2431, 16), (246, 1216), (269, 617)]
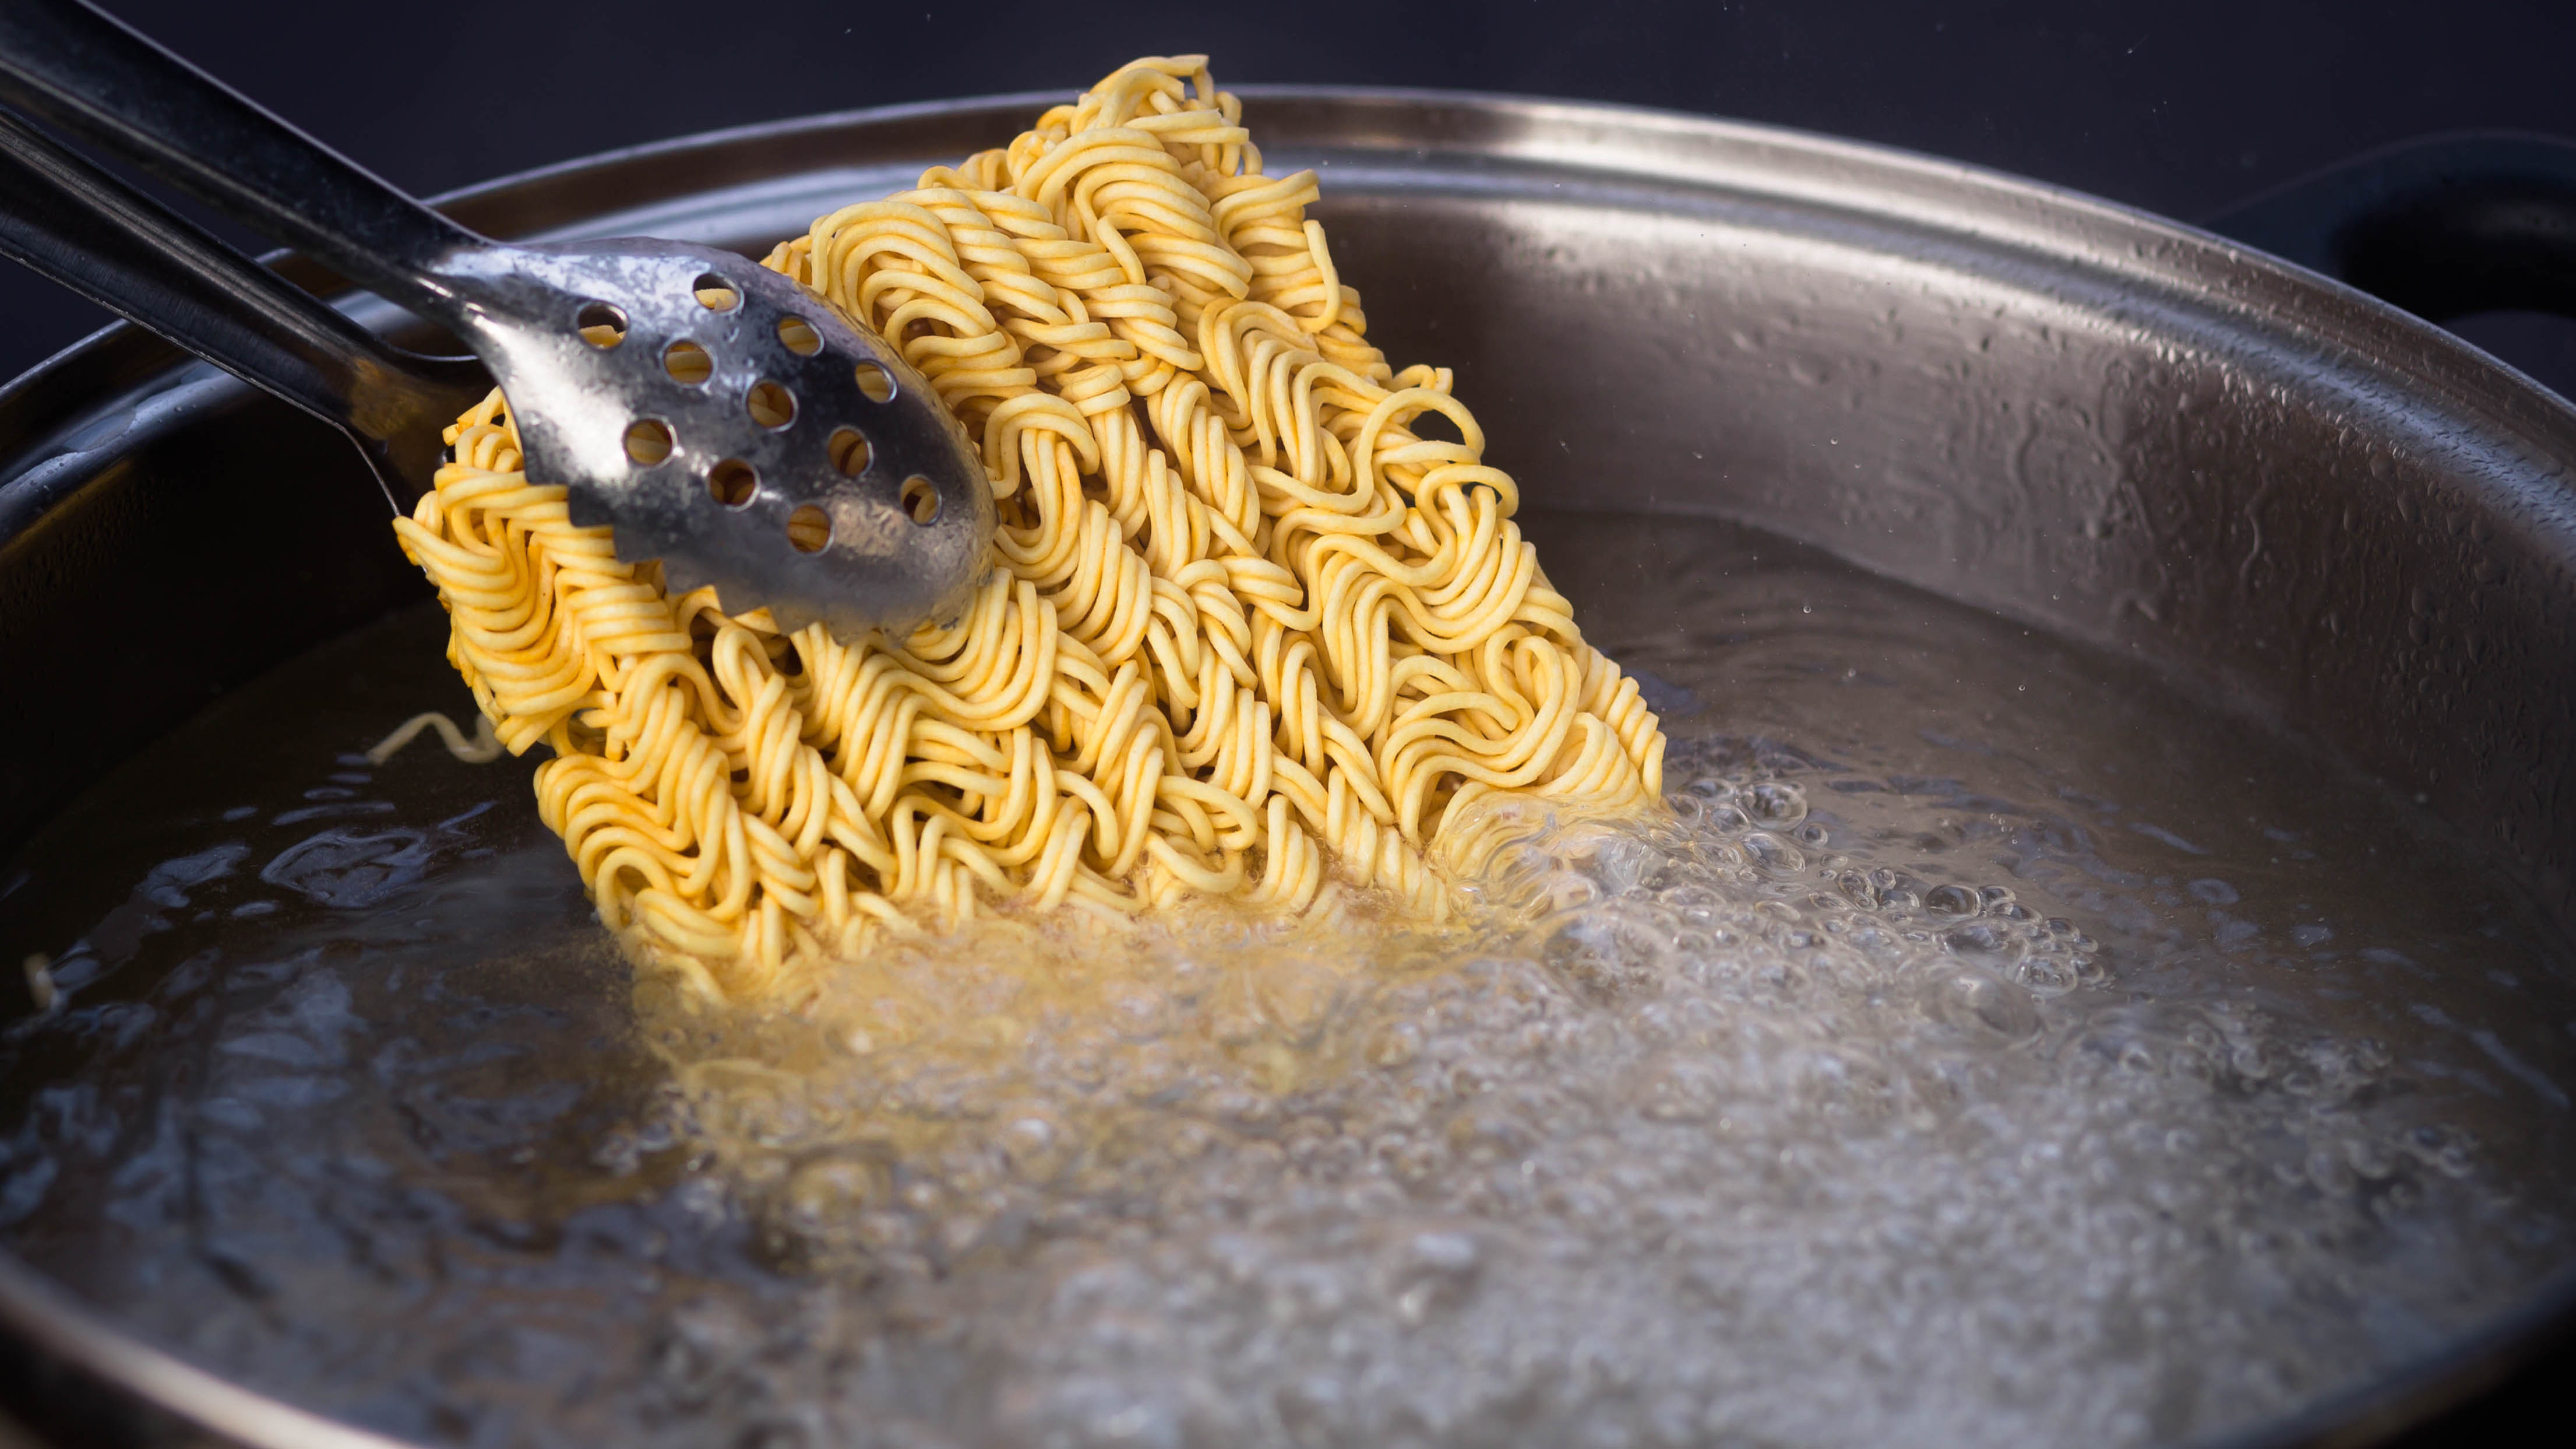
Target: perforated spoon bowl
[(718, 416)]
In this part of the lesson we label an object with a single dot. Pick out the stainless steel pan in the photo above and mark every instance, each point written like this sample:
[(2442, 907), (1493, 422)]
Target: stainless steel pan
[(2324, 511)]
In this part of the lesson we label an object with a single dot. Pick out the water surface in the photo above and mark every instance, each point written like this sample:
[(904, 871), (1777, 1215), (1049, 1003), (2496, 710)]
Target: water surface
[(1992, 1047)]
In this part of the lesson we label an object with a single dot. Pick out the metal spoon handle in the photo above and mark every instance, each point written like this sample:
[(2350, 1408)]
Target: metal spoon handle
[(75, 223), (71, 64)]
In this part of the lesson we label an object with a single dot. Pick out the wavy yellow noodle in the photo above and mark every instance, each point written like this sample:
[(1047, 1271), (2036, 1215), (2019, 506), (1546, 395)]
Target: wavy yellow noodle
[(1248, 630)]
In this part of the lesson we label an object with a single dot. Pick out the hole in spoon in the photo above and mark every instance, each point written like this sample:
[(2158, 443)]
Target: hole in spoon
[(874, 382), (849, 452), (809, 529), (600, 325), (921, 499), (715, 293), (771, 405), (648, 440), (733, 482), (798, 336), (688, 363)]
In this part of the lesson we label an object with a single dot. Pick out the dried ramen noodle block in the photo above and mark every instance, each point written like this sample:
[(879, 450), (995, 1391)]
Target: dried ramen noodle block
[(1249, 632)]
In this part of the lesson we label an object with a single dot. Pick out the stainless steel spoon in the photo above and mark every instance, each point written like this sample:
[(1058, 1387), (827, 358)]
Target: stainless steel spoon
[(720, 417)]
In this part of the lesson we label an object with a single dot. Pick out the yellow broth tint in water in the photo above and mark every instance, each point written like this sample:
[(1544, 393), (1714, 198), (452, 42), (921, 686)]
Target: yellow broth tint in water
[(1988, 1046)]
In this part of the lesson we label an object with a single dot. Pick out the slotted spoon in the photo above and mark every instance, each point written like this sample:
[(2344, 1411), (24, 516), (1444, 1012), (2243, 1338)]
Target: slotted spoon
[(719, 416)]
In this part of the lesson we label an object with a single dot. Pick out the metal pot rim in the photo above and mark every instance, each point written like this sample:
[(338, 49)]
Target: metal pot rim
[(1611, 140)]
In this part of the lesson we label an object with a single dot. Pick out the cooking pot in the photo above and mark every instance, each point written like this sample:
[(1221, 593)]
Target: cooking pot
[(2296, 501)]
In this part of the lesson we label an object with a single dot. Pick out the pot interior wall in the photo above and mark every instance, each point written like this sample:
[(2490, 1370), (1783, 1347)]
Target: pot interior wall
[(2375, 569)]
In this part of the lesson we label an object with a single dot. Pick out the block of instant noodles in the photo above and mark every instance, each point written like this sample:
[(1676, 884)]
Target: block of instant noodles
[(1248, 633)]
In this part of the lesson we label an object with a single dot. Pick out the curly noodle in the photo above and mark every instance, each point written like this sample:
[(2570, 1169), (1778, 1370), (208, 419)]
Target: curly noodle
[(1248, 628)]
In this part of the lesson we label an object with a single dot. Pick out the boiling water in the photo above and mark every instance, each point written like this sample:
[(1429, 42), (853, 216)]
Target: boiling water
[(1990, 1047)]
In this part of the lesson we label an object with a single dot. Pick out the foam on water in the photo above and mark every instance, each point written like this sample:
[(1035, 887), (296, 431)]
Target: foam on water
[(1989, 1047)]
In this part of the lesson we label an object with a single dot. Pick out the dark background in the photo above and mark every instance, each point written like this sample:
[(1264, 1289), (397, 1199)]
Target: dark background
[(2177, 106)]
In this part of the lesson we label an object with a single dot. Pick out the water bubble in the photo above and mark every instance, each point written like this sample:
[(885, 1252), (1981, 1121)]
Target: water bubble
[(1776, 803), (833, 1189), (1774, 854), (1395, 1044), (1679, 1092), (1564, 891), (2044, 977), (1978, 938), (1297, 997), (1038, 1147), (1432, 1272), (1622, 864), (1986, 1006)]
